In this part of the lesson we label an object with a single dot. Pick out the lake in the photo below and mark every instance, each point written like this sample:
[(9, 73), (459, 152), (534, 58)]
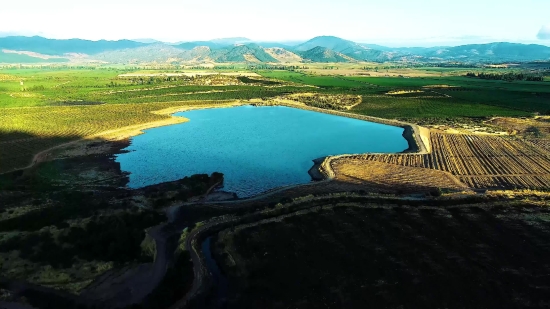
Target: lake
[(256, 148)]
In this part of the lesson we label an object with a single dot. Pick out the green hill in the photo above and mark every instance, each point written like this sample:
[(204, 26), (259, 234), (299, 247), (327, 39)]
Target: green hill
[(243, 53), (322, 54)]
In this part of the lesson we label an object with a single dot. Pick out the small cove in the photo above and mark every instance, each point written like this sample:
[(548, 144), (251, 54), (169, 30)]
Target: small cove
[(257, 148)]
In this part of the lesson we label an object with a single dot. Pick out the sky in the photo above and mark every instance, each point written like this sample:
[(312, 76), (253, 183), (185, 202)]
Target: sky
[(387, 22)]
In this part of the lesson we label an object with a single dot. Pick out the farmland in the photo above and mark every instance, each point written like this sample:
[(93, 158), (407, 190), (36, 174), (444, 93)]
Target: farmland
[(480, 161), (92, 112), (75, 103)]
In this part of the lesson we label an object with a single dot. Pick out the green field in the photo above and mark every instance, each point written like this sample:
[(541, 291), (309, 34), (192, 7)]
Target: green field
[(413, 108), (319, 81)]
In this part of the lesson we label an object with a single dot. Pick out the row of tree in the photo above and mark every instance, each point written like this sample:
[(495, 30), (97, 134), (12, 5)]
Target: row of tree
[(507, 76), (276, 67)]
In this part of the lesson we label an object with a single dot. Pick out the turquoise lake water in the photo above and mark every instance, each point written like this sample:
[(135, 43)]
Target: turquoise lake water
[(256, 148)]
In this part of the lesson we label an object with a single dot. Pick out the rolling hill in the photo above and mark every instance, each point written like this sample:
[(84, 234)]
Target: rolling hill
[(283, 55), (348, 48), (243, 53), (322, 54)]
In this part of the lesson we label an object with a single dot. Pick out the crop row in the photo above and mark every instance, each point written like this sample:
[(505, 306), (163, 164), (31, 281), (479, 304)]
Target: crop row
[(524, 182), (541, 143), (481, 161)]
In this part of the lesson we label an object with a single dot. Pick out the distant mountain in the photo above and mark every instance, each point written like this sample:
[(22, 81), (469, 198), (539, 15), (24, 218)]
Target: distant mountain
[(500, 51), (243, 53), (348, 48), (23, 58), (149, 53), (213, 44), (322, 54), (147, 41), (275, 44), (198, 54), (20, 49), (191, 45), (59, 47), (231, 41), (330, 42)]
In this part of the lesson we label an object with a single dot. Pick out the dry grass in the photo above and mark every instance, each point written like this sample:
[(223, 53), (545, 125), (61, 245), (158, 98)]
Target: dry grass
[(251, 58), (340, 101), (521, 125), (398, 92), (7, 77), (283, 55), (389, 175)]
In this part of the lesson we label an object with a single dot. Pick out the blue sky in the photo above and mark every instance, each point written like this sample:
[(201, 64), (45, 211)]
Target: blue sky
[(389, 22)]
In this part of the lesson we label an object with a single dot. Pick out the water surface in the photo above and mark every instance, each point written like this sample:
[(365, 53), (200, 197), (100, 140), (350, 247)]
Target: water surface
[(257, 148)]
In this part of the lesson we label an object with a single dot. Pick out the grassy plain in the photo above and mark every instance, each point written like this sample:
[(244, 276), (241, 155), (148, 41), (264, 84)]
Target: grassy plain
[(466, 98)]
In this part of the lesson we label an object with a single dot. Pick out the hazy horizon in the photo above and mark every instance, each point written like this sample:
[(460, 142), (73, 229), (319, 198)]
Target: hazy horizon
[(394, 23)]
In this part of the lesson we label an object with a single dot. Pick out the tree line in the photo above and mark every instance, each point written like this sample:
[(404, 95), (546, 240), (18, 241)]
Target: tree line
[(507, 76)]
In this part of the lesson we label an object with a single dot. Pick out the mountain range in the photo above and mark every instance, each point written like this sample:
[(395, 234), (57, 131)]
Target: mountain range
[(329, 49)]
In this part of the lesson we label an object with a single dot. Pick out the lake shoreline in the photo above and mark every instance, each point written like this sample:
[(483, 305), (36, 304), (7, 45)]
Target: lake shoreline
[(412, 133), (297, 136)]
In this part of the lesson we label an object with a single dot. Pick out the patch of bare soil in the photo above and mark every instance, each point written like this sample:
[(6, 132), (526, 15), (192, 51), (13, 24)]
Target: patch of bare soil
[(538, 127), (411, 179)]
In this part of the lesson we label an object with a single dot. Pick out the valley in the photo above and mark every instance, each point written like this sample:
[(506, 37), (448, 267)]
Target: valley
[(100, 209)]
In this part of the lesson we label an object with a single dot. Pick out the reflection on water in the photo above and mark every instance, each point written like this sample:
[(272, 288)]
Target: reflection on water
[(257, 148)]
